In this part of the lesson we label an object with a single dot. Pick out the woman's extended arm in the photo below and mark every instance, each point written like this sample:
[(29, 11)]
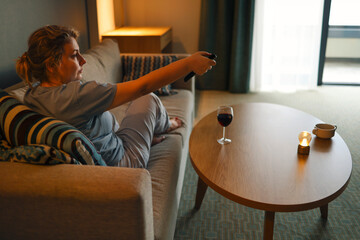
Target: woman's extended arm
[(128, 91)]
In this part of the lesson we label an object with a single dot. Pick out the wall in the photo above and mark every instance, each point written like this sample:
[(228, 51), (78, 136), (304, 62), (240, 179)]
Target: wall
[(182, 15), (105, 15), (19, 18)]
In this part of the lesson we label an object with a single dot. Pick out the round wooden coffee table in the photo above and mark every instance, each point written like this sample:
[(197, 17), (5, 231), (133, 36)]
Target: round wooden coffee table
[(261, 168)]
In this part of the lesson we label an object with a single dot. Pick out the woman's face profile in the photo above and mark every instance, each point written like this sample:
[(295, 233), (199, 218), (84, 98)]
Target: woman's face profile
[(70, 66)]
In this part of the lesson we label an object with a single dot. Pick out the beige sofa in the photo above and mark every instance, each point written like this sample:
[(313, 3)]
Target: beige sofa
[(95, 202)]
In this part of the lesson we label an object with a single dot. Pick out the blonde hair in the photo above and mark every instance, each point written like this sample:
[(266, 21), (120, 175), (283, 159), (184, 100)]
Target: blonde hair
[(45, 49)]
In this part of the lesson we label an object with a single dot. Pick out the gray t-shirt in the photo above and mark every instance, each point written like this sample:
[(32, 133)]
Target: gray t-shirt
[(83, 105)]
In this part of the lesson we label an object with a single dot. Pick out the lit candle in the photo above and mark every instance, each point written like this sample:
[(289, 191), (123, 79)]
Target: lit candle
[(304, 139)]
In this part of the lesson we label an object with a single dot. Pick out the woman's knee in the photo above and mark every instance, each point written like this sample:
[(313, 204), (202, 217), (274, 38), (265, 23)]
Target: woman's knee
[(151, 97), (152, 100)]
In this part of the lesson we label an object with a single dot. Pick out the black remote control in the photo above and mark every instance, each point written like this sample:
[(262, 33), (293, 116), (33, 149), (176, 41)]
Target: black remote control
[(190, 75)]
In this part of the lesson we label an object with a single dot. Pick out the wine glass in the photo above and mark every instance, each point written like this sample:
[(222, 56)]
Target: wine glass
[(224, 116)]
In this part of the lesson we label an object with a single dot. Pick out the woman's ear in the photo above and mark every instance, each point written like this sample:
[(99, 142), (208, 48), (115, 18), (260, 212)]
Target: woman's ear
[(50, 68)]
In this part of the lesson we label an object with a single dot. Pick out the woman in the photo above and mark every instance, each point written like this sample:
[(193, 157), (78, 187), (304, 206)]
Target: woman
[(52, 67)]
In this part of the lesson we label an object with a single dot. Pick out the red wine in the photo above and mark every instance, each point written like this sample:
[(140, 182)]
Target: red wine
[(224, 119)]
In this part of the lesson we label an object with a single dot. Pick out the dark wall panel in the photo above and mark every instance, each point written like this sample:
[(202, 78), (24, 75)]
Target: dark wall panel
[(19, 18)]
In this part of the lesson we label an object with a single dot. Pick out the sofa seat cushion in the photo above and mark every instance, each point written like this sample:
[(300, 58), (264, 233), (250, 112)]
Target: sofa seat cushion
[(164, 164), (165, 160)]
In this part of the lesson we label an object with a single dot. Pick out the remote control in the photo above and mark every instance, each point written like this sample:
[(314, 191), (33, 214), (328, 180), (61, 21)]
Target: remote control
[(190, 75)]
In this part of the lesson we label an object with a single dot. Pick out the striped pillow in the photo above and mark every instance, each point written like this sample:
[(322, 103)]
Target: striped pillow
[(19, 125), (138, 66)]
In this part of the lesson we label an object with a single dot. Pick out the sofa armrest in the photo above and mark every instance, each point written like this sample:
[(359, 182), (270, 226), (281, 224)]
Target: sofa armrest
[(179, 84), (74, 202)]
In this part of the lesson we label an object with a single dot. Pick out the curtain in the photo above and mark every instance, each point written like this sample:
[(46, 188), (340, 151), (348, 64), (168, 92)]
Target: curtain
[(286, 45), (226, 29)]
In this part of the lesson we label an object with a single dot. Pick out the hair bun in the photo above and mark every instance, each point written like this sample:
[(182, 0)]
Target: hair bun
[(24, 56)]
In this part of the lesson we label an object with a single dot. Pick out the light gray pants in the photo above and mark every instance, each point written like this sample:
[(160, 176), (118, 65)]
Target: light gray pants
[(145, 117)]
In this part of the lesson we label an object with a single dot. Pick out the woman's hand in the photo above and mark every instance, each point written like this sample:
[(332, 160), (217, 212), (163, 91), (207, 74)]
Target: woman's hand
[(200, 63)]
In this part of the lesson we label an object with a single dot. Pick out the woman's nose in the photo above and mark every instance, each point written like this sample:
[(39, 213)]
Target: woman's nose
[(82, 60)]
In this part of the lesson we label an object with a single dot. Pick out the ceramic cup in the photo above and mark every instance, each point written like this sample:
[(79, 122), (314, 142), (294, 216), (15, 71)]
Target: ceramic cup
[(324, 130)]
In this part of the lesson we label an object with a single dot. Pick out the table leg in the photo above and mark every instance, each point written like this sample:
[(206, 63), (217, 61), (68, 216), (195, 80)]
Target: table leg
[(200, 193), (269, 225), (324, 211)]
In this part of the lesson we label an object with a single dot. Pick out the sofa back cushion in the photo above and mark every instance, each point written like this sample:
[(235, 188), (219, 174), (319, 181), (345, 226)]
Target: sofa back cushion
[(19, 125), (103, 63)]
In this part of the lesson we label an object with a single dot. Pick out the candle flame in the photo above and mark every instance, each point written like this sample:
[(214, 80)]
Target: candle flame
[(304, 142)]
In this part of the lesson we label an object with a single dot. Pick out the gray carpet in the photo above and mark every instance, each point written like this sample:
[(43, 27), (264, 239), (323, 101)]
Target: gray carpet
[(220, 218)]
